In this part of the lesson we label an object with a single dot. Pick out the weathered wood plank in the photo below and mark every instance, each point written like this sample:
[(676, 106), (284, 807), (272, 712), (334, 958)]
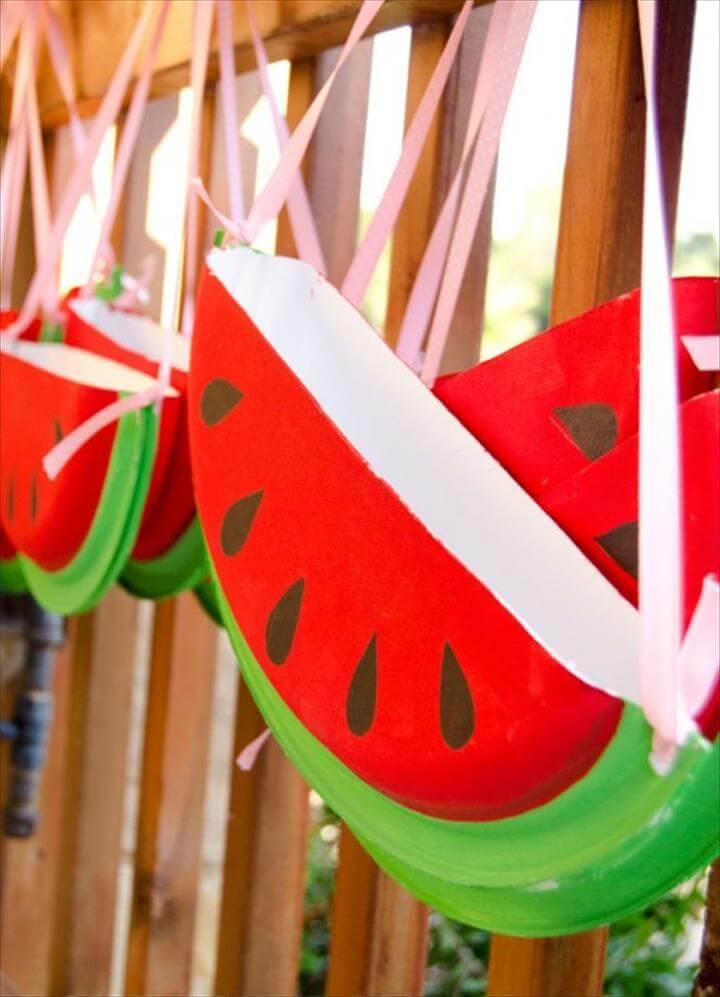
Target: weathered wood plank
[(294, 29), (379, 932), (266, 846), (598, 254), (172, 792), (29, 868), (95, 778), (598, 258), (416, 218), (173, 781), (95, 787), (335, 168)]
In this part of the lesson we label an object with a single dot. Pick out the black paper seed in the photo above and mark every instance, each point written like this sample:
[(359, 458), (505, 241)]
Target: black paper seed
[(10, 500), (33, 499), (237, 522), (282, 623), (622, 546), (592, 427), (218, 399), (363, 692), (57, 430), (457, 713)]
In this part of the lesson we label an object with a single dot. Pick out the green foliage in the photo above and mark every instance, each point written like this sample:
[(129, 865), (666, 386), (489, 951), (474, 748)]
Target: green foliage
[(698, 256), (457, 959), (647, 952), (322, 859)]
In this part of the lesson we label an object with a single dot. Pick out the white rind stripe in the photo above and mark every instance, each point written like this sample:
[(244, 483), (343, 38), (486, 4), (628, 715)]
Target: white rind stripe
[(441, 473), (136, 333), (80, 366)]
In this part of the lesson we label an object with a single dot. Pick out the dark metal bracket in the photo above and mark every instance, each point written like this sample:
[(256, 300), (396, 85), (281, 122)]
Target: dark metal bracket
[(28, 730)]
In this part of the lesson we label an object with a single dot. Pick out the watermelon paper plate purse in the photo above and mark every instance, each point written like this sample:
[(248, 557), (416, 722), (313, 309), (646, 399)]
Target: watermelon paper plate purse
[(72, 535), (168, 555), (365, 548), (11, 576)]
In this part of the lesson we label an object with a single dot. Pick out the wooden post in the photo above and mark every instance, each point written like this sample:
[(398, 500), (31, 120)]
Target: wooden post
[(264, 882), (172, 792), (94, 798), (94, 777), (168, 857), (707, 982), (598, 258), (379, 932)]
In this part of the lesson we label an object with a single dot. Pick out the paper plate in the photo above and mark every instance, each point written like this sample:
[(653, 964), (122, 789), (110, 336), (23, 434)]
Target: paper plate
[(167, 556), (11, 576), (473, 745), (72, 535)]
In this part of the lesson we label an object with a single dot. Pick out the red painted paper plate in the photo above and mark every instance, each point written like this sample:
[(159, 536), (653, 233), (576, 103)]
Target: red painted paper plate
[(436, 654), (11, 576), (72, 535), (168, 555)]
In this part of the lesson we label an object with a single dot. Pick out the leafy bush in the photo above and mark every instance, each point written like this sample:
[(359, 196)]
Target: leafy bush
[(647, 952)]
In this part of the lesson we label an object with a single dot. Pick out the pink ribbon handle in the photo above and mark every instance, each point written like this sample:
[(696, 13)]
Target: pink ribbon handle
[(14, 165), (56, 459), (229, 107), (660, 540), (80, 179), (62, 452), (202, 27), (249, 754), (62, 67), (307, 241), (368, 253), (267, 206), (270, 201), (476, 187), (127, 142), (418, 311), (11, 16), (39, 183)]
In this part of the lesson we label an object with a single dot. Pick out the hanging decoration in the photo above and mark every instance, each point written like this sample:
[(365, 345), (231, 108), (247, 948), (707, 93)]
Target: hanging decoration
[(72, 524), (479, 718), (478, 612)]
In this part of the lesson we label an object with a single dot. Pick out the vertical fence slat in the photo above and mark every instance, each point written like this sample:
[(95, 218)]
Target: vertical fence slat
[(337, 157), (30, 867), (463, 345), (598, 258), (173, 781), (95, 793), (414, 224), (379, 932), (94, 785), (266, 845), (172, 792)]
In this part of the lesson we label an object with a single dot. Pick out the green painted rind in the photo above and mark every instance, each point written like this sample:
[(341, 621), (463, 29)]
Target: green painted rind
[(11, 577), (616, 840), (81, 584), (183, 566), (207, 597), (551, 907)]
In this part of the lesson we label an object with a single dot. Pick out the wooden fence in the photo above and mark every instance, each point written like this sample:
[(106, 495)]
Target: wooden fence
[(126, 704)]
